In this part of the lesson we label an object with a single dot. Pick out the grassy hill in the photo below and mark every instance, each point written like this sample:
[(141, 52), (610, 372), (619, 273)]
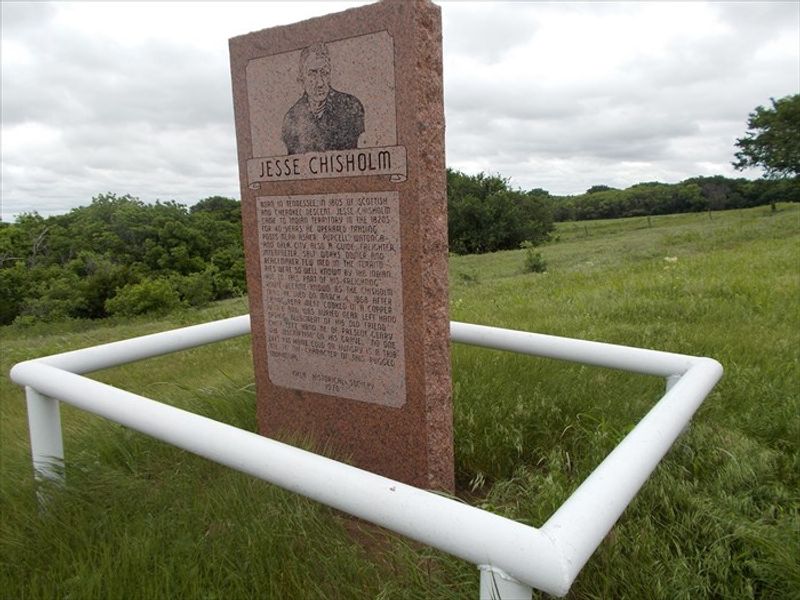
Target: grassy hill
[(720, 517)]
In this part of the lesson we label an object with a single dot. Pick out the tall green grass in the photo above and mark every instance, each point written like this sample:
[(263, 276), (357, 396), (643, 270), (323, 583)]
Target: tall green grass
[(720, 517)]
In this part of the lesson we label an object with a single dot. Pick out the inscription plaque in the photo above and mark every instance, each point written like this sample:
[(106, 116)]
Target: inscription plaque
[(330, 267)]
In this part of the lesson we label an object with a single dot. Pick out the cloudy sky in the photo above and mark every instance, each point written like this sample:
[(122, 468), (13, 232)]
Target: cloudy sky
[(135, 97)]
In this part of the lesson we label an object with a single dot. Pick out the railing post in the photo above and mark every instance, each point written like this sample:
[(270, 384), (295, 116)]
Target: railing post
[(47, 447), (498, 585)]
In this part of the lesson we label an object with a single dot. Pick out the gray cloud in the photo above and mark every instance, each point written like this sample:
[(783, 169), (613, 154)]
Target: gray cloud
[(154, 119), (672, 114), (80, 80), (490, 28), (554, 95), (759, 20), (21, 18)]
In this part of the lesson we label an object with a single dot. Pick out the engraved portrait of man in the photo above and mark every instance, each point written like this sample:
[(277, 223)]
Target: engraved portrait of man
[(323, 118)]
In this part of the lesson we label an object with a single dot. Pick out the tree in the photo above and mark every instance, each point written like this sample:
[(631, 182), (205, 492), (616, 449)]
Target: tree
[(120, 255), (773, 139), (599, 188), (485, 215), (221, 207)]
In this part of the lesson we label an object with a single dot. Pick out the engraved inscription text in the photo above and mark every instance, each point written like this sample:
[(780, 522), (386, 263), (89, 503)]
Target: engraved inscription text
[(332, 289)]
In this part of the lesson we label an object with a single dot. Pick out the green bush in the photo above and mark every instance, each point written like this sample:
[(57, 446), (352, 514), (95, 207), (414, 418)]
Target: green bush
[(100, 277), (69, 266), (196, 289), (534, 261), (147, 296), (484, 214), (56, 295), (228, 271), (13, 287)]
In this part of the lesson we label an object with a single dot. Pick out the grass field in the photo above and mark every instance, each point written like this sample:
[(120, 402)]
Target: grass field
[(720, 517)]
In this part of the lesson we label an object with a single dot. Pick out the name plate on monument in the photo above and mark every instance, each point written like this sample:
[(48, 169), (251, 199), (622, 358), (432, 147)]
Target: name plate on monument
[(340, 133)]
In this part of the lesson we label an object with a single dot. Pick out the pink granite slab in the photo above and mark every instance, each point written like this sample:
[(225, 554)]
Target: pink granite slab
[(340, 131)]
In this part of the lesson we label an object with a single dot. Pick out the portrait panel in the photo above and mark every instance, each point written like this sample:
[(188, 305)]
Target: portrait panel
[(361, 72)]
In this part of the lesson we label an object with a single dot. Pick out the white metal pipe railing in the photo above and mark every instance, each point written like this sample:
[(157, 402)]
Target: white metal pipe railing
[(513, 556), (472, 534), (114, 354), (598, 354), (583, 521)]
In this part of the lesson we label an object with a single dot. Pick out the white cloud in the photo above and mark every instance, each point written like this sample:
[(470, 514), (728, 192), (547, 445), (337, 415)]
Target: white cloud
[(135, 97)]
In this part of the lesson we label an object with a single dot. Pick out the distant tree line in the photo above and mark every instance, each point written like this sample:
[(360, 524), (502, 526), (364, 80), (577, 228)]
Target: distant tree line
[(771, 142), (692, 195), (485, 214), (121, 256)]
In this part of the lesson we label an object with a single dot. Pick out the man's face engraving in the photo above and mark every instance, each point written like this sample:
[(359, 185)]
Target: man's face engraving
[(323, 118), (315, 76)]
